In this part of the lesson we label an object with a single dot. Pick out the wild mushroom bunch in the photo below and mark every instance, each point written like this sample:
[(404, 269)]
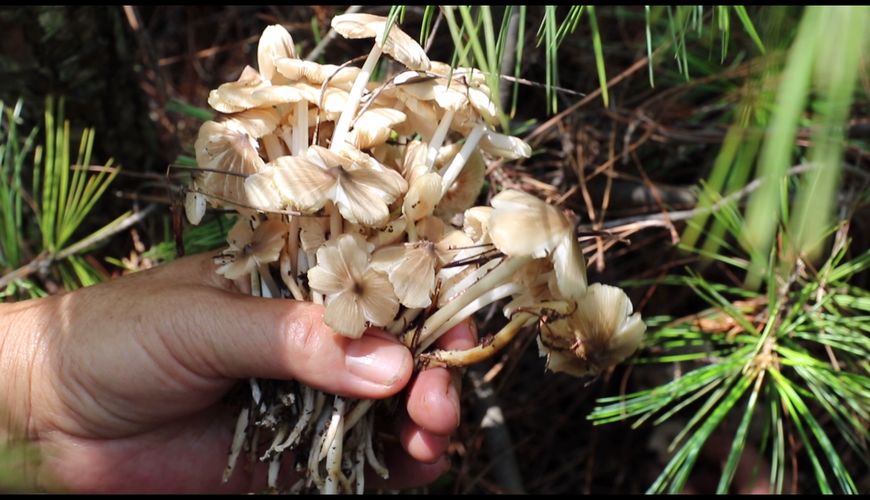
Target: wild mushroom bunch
[(358, 195)]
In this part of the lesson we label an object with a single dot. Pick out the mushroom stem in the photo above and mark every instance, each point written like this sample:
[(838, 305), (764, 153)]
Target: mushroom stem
[(360, 461), (268, 287), (334, 220), (335, 441), (358, 411), (432, 327), (404, 320), (479, 303), (314, 453), (288, 135), (302, 422), (238, 440), (411, 228), (274, 468), (438, 138), (370, 450), (451, 173), (273, 146), (342, 127), (293, 243), (482, 351), (300, 134)]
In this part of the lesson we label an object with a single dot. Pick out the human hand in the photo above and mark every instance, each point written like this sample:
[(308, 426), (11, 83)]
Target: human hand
[(122, 383)]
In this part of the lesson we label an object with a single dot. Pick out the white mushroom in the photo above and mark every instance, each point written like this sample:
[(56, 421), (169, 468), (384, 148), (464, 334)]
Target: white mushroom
[(355, 292), (521, 225), (230, 154), (600, 333), (397, 44), (249, 248), (275, 43), (361, 194), (232, 97)]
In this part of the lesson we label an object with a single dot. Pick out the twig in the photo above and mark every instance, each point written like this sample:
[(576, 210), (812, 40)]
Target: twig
[(434, 30), (662, 219)]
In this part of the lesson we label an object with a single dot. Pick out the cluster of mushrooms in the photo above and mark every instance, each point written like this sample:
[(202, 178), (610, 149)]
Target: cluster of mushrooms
[(358, 196)]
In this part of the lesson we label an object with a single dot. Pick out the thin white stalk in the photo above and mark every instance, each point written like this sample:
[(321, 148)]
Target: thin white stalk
[(342, 127), (288, 135), (255, 284), (335, 441), (360, 461), (268, 287), (293, 242), (452, 282), (314, 454), (303, 262), (355, 414), (335, 225), (399, 325), (274, 468), (480, 352), (477, 304), (311, 261), (500, 274), (238, 441), (338, 405), (300, 131), (256, 392), (273, 146), (289, 277), (438, 138), (411, 228), (451, 173), (301, 422), (370, 450), (273, 448)]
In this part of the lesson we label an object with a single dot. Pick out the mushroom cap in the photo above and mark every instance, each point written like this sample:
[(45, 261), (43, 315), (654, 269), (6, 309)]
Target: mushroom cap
[(258, 122), (228, 148), (275, 95), (504, 146), (232, 97), (465, 189), (599, 333), (422, 196), (194, 206), (355, 292), (398, 44), (331, 101), (312, 72), (476, 224), (421, 118), (523, 225), (312, 232), (374, 127), (275, 42), (261, 192), (253, 247)]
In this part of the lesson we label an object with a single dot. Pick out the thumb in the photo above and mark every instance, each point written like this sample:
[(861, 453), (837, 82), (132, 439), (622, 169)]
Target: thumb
[(231, 335), (283, 339)]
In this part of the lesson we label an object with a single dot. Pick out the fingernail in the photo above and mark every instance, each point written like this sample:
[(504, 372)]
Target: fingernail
[(377, 359)]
